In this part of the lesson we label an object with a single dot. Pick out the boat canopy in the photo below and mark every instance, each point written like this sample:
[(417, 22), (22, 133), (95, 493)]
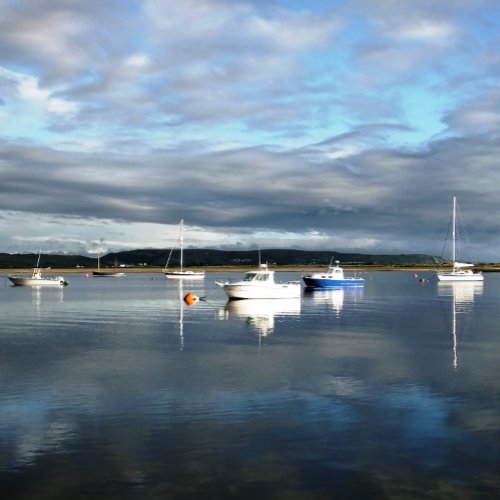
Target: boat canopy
[(463, 264)]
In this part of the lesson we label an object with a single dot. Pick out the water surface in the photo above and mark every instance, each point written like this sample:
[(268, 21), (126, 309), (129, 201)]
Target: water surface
[(115, 388)]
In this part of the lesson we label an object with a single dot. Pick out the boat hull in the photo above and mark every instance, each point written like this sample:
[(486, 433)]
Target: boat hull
[(313, 282), (290, 290), (184, 275), (450, 277), (21, 281), (105, 274)]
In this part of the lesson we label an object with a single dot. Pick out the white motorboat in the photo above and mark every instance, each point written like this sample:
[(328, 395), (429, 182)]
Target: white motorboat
[(260, 284), (181, 273), (461, 271), (37, 279)]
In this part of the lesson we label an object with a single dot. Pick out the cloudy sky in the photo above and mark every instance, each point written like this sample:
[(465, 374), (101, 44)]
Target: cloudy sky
[(331, 124)]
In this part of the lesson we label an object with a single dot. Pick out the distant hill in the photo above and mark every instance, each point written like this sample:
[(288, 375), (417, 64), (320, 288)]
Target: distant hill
[(28, 260), (208, 257)]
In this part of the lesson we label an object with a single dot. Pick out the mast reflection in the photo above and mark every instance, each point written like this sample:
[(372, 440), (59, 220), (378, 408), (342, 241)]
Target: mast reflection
[(462, 295), (181, 315)]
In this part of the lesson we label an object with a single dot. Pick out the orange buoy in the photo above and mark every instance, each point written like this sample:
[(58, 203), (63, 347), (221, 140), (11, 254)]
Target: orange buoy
[(190, 298)]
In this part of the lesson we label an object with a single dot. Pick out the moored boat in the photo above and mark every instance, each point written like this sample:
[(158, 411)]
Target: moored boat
[(107, 274), (37, 279), (461, 271), (99, 273), (333, 276), (260, 284), (181, 273)]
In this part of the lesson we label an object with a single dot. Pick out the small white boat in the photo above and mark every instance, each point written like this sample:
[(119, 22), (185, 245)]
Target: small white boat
[(36, 278), (260, 284), (332, 277), (181, 273), (461, 271)]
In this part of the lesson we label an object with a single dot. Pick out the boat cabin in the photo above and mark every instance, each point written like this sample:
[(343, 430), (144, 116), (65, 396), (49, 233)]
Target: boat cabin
[(263, 274), (333, 272)]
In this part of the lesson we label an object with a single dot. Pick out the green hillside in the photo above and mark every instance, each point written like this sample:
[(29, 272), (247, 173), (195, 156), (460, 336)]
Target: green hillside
[(208, 257)]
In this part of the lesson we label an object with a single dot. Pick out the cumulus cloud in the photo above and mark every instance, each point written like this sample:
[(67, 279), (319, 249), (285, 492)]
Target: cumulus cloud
[(356, 121)]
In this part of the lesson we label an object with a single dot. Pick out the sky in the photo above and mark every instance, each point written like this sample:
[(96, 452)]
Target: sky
[(331, 125)]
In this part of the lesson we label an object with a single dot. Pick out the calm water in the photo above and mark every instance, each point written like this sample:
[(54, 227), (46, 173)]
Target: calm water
[(114, 388)]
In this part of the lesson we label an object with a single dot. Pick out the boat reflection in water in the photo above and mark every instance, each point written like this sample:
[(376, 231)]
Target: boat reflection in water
[(462, 296), (39, 294), (334, 298), (261, 313)]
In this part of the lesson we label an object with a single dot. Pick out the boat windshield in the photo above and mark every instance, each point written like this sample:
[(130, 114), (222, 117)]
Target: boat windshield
[(256, 277)]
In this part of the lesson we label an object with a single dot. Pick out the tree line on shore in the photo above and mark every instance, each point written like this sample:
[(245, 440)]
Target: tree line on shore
[(210, 257)]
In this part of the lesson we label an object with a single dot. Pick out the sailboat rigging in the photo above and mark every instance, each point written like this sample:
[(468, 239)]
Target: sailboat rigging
[(181, 273), (461, 271), (105, 274)]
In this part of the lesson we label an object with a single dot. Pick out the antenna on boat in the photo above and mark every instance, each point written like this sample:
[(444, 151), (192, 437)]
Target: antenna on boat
[(332, 261), (38, 260)]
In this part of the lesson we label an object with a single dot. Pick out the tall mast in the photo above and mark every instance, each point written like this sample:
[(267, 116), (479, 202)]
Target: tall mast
[(181, 242), (454, 221)]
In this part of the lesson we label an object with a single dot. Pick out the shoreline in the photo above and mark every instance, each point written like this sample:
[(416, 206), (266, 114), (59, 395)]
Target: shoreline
[(244, 269)]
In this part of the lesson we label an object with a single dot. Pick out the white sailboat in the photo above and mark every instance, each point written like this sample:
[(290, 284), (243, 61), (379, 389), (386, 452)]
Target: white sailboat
[(181, 273), (461, 271), (36, 278)]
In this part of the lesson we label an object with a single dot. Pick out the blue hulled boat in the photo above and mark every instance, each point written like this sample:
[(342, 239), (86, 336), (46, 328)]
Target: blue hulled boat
[(332, 277)]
